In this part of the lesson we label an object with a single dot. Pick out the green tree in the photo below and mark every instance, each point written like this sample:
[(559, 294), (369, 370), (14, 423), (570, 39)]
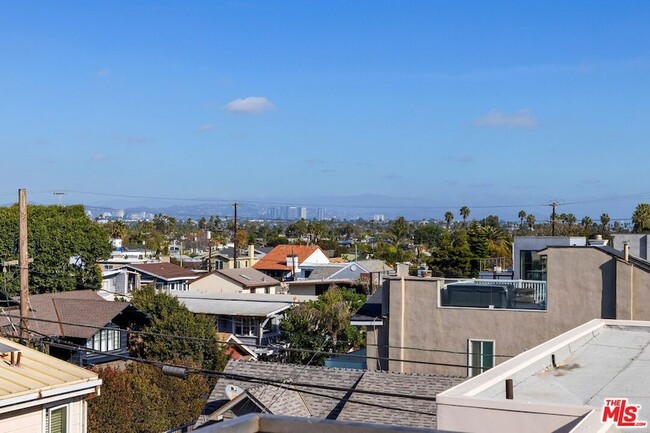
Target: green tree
[(323, 325), (449, 217), (63, 242), (587, 223), (170, 317), (522, 217), (641, 218), (140, 399), (464, 212), (428, 234), (530, 220), (604, 221), (399, 228)]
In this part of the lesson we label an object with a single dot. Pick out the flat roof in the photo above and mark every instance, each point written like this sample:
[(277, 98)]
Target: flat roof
[(229, 307)]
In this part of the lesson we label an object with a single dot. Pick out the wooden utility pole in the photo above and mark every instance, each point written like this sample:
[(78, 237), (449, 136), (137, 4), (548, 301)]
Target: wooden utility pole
[(235, 236), (553, 217), (23, 263)]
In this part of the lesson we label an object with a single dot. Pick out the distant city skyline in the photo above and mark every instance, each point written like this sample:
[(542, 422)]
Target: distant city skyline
[(499, 106)]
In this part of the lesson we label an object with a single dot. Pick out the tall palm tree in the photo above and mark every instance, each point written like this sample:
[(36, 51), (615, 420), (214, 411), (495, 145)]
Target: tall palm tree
[(522, 217), (449, 217), (604, 220), (530, 219), (587, 222), (464, 212), (641, 218)]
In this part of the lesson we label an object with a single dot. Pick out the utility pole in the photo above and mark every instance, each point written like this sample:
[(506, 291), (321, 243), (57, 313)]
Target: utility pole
[(23, 263), (553, 217), (235, 235)]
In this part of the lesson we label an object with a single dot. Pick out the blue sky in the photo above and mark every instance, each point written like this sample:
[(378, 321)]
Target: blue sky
[(450, 103)]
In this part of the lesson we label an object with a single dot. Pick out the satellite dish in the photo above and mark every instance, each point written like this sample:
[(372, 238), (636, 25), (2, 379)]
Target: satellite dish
[(353, 268), (232, 391)]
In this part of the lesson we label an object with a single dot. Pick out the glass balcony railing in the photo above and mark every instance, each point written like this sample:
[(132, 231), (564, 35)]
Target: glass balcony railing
[(496, 294)]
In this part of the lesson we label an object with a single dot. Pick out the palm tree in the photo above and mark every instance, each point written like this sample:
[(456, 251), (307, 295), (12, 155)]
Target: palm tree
[(449, 217), (604, 220), (464, 212), (530, 219), (641, 218), (587, 222), (522, 217)]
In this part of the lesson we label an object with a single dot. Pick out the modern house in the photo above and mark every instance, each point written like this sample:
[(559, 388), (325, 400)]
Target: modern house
[(165, 276), (291, 262), (406, 400), (429, 325), (39, 393), (252, 318), (353, 274), (225, 258), (527, 264), (120, 257), (118, 283), (638, 243), (593, 378), (75, 318), (241, 280)]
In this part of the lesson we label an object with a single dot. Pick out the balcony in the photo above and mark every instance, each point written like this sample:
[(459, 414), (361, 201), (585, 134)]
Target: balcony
[(495, 294)]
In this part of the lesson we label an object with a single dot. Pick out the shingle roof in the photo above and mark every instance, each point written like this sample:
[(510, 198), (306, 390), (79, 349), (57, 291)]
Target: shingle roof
[(277, 258), (371, 310), (249, 277), (408, 410), (83, 307), (374, 265), (325, 272), (280, 400), (166, 271)]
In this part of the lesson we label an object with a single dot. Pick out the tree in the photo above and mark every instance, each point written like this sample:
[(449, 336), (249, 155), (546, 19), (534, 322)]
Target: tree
[(587, 223), (449, 217), (530, 219), (141, 399), (399, 228), (522, 217), (323, 325), (428, 234), (170, 317), (491, 221), (641, 218), (604, 221), (464, 212), (64, 243)]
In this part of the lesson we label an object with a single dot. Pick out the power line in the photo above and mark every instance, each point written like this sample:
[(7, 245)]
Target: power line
[(279, 348)]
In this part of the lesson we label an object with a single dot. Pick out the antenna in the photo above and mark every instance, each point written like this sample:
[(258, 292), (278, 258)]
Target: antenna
[(59, 195)]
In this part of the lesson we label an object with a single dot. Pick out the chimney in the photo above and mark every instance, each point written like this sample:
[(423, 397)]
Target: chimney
[(626, 251), (251, 252), (597, 241)]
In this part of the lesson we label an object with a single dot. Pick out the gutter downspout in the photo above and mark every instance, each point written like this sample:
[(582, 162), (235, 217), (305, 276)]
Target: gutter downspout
[(402, 312), (626, 257)]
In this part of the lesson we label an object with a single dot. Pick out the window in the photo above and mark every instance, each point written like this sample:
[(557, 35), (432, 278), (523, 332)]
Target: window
[(246, 326), (532, 266), (480, 356), (105, 340), (56, 420)]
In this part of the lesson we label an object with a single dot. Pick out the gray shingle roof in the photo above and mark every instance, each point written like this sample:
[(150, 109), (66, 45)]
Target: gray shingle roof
[(414, 406)]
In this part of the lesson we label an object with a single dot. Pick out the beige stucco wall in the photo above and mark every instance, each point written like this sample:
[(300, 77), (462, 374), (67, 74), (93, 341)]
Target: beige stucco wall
[(31, 420), (582, 286), (214, 284)]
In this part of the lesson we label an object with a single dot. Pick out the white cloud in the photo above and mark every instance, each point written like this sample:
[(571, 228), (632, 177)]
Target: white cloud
[(250, 105), (205, 128), (518, 119)]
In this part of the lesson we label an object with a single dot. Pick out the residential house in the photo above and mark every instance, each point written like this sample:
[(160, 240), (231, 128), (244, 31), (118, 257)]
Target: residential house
[(235, 348), (242, 280), (120, 258), (165, 276), (225, 258), (39, 393), (291, 262), (582, 381), (319, 392), (118, 283), (352, 274), (54, 315), (527, 264), (253, 318), (638, 243), (468, 327)]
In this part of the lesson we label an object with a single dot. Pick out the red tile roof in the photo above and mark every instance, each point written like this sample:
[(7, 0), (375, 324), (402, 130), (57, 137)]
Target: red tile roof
[(166, 271), (276, 259)]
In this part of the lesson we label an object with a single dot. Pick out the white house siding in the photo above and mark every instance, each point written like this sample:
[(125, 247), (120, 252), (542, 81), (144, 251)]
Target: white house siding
[(31, 420)]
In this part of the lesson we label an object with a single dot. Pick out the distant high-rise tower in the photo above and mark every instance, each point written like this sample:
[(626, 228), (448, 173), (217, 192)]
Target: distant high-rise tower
[(292, 213), (303, 213), (378, 218), (321, 214)]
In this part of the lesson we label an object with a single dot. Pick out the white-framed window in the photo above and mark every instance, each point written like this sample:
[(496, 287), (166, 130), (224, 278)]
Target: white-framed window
[(245, 326), (105, 340), (57, 419), (480, 356)]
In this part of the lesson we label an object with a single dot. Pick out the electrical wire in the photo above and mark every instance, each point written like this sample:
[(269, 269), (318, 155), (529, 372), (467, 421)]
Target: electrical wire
[(279, 348)]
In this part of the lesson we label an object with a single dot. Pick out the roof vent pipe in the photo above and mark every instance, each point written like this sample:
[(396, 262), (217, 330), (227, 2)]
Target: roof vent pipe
[(626, 251)]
